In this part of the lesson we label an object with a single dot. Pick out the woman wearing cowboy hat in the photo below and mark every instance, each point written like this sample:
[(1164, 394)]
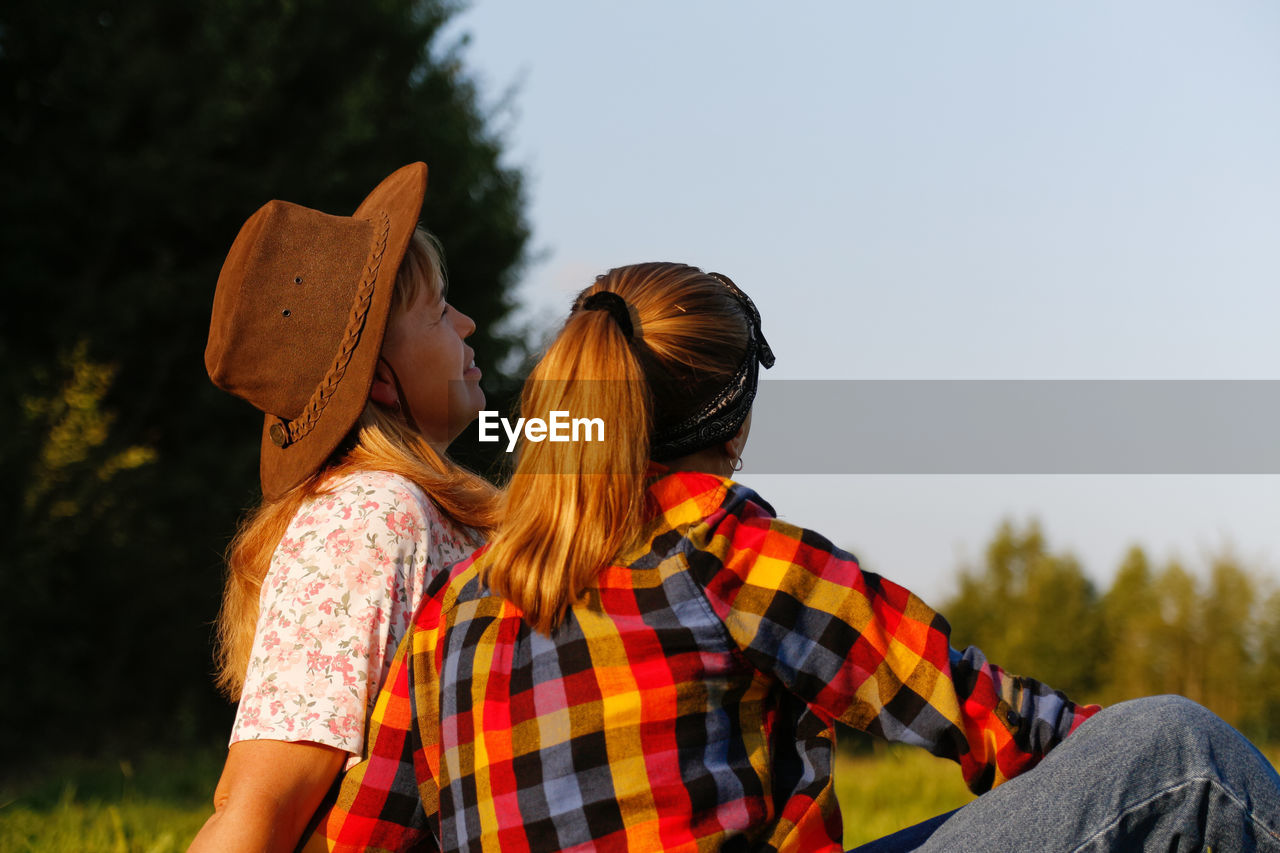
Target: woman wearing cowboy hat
[(338, 329)]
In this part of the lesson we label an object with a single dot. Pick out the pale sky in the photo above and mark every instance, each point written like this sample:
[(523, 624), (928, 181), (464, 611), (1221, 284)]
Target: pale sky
[(910, 190)]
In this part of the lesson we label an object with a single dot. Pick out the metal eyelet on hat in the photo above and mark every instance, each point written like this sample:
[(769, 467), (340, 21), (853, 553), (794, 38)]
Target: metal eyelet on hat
[(279, 435)]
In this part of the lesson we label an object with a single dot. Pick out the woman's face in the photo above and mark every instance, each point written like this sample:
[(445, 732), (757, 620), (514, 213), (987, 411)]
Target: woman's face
[(439, 380)]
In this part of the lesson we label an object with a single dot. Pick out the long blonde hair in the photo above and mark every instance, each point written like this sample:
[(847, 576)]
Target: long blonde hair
[(572, 506), (380, 441)]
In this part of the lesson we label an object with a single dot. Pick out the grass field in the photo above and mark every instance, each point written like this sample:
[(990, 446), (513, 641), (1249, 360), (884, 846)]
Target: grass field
[(156, 803), (894, 788), (151, 804)]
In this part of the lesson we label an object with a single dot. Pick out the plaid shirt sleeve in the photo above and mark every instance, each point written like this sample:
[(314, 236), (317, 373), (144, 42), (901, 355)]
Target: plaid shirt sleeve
[(867, 652)]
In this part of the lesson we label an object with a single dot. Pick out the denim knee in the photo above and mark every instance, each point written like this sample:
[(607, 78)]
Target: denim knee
[(1172, 711), (1188, 739), (1164, 721)]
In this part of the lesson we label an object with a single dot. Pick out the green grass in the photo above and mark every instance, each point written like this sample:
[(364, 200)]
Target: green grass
[(156, 803), (153, 803), (894, 788)]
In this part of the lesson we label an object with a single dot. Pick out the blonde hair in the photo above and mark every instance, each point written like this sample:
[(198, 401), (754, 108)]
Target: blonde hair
[(572, 507), (380, 441)]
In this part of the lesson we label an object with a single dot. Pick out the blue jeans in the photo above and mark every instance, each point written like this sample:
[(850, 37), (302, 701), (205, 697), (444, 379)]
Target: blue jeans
[(1152, 774)]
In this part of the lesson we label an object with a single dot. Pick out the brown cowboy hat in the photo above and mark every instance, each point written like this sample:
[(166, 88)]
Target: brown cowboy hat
[(298, 319)]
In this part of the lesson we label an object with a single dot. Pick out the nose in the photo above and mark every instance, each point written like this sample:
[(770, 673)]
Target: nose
[(463, 323)]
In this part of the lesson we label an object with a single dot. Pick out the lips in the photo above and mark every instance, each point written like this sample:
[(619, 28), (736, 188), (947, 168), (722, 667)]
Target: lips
[(471, 371)]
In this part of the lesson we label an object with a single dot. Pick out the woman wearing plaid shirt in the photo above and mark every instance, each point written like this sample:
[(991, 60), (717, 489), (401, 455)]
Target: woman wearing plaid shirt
[(646, 658)]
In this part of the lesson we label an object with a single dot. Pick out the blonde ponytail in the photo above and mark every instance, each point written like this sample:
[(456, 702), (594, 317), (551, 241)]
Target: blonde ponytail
[(573, 506), (546, 553)]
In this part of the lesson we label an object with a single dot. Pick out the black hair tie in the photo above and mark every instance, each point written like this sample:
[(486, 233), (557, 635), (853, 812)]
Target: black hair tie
[(607, 300)]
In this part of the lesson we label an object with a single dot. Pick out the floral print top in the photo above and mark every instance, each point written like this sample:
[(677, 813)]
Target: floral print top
[(341, 591)]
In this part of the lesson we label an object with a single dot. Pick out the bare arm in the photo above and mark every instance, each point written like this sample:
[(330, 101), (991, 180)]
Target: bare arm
[(268, 791)]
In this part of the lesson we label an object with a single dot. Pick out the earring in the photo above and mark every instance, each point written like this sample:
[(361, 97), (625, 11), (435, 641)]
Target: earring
[(737, 464)]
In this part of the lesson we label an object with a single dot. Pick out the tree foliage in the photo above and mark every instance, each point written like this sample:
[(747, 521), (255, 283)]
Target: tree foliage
[(137, 137), (1029, 609), (1215, 640)]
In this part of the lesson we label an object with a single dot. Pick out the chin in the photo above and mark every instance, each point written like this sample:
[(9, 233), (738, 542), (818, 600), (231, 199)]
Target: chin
[(471, 413), (478, 400)]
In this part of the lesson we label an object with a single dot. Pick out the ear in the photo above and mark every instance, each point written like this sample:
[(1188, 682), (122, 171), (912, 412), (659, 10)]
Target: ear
[(733, 447), (383, 391)]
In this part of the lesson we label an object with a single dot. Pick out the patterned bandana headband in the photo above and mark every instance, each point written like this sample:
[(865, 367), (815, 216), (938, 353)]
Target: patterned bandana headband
[(720, 418)]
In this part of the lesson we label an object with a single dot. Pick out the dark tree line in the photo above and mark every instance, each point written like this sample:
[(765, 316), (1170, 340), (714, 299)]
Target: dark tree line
[(136, 138)]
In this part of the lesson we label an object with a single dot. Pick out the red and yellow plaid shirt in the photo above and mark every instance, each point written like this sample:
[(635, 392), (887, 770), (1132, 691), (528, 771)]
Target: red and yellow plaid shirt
[(686, 703)]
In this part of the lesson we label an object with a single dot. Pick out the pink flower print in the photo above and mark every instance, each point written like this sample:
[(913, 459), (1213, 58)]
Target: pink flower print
[(402, 621), (338, 543), (345, 514), (317, 661), (270, 641), (347, 724), (368, 506), (380, 558), (314, 588), (401, 524), (361, 576), (343, 665), (276, 707), (327, 606), (290, 548)]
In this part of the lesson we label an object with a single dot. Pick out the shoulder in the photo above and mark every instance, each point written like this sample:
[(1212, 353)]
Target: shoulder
[(459, 594), (352, 516), (373, 490), (722, 524), (377, 499), (690, 494), (702, 503)]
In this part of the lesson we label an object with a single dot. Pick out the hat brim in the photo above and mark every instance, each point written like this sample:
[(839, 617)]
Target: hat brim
[(399, 196)]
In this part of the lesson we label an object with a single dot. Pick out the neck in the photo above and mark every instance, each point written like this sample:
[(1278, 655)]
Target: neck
[(710, 460)]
